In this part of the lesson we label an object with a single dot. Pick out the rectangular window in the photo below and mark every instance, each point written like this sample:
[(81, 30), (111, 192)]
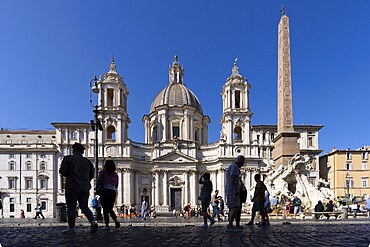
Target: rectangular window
[(82, 136), (110, 97), (11, 204), (43, 184), (64, 134), (364, 182), (196, 135), (349, 183), (364, 166), (42, 166), (11, 156), (29, 205), (258, 139), (24, 142), (310, 141), (43, 205), (28, 166), (348, 166), (272, 136), (237, 99), (11, 183), (28, 156), (349, 155), (175, 131), (12, 166), (365, 155), (28, 183), (74, 135)]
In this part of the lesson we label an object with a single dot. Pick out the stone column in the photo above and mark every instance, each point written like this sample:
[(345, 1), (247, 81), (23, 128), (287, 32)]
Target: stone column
[(221, 188), (137, 192), (156, 201), (165, 188), (131, 187), (186, 188), (152, 177), (122, 187), (193, 192)]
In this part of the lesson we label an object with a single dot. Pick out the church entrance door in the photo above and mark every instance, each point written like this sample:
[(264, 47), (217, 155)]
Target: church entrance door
[(176, 198)]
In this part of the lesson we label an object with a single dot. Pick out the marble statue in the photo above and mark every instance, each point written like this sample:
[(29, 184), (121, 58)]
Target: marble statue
[(292, 179)]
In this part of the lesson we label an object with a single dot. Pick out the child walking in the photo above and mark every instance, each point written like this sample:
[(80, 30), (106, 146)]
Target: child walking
[(205, 197)]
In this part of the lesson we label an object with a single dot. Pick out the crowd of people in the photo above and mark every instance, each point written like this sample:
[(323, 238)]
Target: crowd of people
[(79, 171)]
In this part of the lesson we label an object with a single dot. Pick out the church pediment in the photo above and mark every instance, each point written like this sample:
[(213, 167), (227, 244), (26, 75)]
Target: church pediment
[(175, 156)]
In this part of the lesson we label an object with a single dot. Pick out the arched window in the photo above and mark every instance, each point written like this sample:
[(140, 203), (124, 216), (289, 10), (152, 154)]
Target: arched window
[(11, 165), (155, 134), (42, 166), (111, 133), (237, 99), (196, 135), (238, 133), (28, 165), (110, 101)]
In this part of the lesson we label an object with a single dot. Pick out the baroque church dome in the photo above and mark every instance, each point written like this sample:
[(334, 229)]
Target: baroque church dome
[(176, 93)]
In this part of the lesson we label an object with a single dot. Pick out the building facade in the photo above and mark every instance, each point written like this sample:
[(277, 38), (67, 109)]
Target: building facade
[(347, 172), (164, 169)]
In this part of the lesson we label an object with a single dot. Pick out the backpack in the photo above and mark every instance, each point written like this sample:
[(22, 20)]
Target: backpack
[(94, 203), (242, 192)]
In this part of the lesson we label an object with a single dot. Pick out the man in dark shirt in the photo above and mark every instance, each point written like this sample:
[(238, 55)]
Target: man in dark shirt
[(79, 171)]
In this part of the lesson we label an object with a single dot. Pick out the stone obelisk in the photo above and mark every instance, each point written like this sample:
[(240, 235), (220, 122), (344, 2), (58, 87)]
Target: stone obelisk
[(286, 145)]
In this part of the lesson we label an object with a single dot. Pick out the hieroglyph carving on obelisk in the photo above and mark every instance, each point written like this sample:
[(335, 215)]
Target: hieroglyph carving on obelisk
[(285, 113)]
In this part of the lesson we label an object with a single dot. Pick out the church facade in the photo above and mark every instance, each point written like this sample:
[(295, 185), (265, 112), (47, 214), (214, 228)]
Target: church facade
[(164, 169)]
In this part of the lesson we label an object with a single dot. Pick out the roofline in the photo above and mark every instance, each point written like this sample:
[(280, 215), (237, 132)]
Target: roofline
[(20, 131), (55, 124), (298, 126)]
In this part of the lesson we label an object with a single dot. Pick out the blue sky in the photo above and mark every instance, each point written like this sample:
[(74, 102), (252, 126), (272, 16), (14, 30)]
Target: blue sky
[(49, 51)]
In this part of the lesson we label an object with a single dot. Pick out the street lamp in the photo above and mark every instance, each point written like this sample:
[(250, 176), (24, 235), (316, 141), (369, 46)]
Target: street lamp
[(95, 126), (1, 198), (347, 185)]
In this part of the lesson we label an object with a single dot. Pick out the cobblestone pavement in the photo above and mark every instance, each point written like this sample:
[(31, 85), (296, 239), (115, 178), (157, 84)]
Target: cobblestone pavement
[(179, 232)]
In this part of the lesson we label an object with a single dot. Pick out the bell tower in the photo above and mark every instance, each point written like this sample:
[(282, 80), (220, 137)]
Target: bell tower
[(112, 98), (236, 115)]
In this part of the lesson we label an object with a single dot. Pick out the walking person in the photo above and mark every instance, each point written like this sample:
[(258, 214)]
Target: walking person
[(98, 209), (267, 207), (297, 206), (109, 179), (22, 214), (39, 212), (143, 210), (232, 193), (205, 197), (79, 171), (258, 201), (222, 208), (215, 203)]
